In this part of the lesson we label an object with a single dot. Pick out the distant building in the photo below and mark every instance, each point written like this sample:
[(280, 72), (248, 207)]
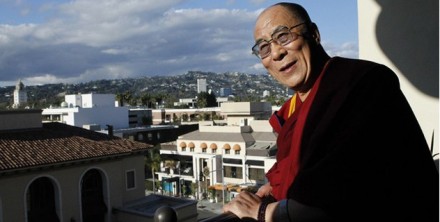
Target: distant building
[(20, 95), (201, 85), (92, 111), (225, 92), (183, 116), (266, 93), (190, 102)]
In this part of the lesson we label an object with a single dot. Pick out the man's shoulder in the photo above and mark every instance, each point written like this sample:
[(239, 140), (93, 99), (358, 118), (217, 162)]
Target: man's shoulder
[(359, 67), (355, 63), (346, 72)]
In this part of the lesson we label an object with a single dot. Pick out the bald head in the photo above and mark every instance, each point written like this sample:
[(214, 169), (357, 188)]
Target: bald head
[(295, 10)]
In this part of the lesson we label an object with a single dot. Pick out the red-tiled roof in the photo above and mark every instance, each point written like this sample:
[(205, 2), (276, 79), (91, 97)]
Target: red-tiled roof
[(58, 143)]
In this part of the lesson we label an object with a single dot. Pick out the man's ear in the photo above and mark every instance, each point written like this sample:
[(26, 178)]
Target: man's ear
[(315, 33)]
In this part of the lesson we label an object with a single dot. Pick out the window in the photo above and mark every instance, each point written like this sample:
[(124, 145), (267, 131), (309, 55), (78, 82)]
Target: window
[(131, 180), (227, 151), (233, 172), (40, 201), (191, 149), (256, 174), (92, 197), (204, 150), (237, 152), (183, 149), (214, 151)]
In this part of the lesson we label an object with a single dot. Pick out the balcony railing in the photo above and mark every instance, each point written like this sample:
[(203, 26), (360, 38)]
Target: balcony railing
[(224, 217), (168, 214)]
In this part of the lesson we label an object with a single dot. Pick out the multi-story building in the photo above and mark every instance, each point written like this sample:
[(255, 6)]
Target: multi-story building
[(93, 111), (232, 153), (201, 85), (225, 91)]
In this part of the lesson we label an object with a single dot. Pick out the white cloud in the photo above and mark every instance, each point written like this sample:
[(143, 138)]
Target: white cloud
[(85, 40)]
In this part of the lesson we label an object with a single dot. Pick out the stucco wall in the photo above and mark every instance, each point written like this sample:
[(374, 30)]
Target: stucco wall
[(67, 183), (404, 35)]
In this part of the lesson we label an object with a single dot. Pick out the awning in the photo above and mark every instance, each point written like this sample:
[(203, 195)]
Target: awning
[(255, 162), (191, 145), (182, 144), (203, 145), (217, 187), (213, 146), (236, 147), (171, 179), (226, 146), (232, 161), (165, 156)]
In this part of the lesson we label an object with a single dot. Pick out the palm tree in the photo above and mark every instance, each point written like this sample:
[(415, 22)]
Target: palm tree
[(146, 99), (120, 99), (152, 162)]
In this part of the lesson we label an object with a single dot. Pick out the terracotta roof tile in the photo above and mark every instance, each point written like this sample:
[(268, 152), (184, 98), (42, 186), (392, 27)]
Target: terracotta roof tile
[(57, 143)]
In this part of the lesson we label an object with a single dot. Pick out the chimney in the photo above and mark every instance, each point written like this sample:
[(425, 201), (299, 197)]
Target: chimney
[(110, 130)]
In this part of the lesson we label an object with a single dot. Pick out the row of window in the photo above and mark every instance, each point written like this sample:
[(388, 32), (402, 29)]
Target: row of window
[(204, 150), (237, 172)]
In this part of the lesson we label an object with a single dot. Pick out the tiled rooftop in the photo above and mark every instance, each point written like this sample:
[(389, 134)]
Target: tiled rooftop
[(59, 143)]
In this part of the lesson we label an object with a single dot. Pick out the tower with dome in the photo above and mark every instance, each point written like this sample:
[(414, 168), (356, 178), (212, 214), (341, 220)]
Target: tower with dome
[(20, 95)]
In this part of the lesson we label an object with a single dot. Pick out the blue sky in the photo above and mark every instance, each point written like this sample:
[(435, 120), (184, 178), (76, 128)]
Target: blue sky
[(47, 41)]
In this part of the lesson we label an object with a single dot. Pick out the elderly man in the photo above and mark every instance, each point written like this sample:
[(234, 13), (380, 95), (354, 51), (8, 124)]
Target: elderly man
[(349, 145)]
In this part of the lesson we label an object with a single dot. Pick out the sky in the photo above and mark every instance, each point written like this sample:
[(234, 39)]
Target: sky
[(48, 41)]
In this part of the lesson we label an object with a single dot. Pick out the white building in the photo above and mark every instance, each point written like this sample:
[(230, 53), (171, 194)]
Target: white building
[(92, 111), (201, 85), (233, 153), (20, 95), (266, 93)]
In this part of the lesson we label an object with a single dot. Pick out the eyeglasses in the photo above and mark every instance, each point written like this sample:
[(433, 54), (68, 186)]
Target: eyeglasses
[(282, 36)]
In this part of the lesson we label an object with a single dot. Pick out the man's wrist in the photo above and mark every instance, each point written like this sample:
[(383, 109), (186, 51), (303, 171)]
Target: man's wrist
[(271, 211), (261, 216)]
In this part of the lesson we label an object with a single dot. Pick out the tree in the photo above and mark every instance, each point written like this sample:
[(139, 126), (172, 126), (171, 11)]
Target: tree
[(128, 97), (124, 97), (146, 99), (160, 98), (152, 162), (120, 99), (205, 99)]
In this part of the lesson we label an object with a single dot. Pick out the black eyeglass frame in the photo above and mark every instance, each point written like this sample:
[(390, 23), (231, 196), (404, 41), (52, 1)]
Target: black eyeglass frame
[(256, 50)]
